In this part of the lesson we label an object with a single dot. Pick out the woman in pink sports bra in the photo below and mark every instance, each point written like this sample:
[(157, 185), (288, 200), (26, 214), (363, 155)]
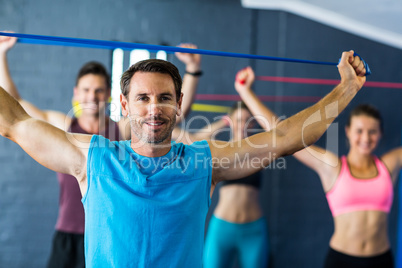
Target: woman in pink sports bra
[(359, 190)]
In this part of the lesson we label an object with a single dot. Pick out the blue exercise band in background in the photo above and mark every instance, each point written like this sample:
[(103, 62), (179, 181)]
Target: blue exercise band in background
[(90, 43)]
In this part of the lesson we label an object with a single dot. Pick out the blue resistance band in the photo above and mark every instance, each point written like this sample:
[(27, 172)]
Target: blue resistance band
[(90, 43)]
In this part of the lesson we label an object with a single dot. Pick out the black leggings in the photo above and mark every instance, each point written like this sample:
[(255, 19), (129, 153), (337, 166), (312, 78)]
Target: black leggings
[(67, 251), (336, 259)]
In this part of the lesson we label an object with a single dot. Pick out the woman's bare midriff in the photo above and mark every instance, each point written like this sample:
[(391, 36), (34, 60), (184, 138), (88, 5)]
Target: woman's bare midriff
[(361, 233), (238, 203)]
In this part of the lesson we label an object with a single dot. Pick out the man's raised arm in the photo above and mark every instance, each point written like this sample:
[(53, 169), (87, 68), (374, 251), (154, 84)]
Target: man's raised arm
[(190, 78), (50, 146), (239, 159), (53, 117)]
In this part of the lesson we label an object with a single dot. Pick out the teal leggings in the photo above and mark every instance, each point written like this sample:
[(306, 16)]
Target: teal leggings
[(226, 241)]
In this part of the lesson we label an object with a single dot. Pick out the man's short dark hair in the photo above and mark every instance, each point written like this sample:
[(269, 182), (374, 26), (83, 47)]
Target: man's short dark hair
[(95, 68), (151, 66)]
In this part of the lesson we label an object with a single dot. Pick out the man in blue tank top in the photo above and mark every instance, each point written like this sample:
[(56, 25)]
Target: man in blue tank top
[(91, 93), (146, 199)]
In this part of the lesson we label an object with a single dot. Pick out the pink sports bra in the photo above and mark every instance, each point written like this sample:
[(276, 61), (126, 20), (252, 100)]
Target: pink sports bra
[(352, 194)]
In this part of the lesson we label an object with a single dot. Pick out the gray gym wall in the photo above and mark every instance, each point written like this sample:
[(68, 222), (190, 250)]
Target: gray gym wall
[(299, 220)]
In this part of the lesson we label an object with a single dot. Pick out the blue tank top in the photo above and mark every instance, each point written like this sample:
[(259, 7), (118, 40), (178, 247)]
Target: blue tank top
[(146, 212)]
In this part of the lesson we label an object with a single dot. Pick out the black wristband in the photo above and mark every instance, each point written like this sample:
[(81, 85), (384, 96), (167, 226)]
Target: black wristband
[(197, 73)]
